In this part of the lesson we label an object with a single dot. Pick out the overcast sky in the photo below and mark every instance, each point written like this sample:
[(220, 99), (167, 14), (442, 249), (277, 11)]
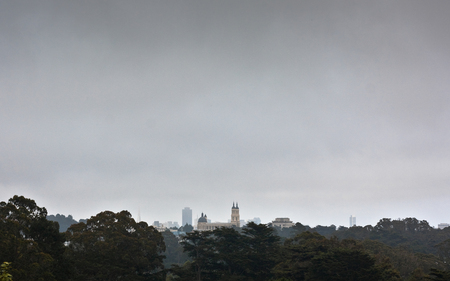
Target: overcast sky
[(312, 110)]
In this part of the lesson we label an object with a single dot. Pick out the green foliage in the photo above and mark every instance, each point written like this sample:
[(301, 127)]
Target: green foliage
[(262, 249), (113, 246), (198, 247), (4, 272), (226, 254), (31, 242), (443, 249), (412, 246), (342, 264), (439, 275), (311, 256), (326, 231)]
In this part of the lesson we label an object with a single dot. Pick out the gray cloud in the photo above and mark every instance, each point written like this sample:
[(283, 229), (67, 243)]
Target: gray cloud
[(309, 110)]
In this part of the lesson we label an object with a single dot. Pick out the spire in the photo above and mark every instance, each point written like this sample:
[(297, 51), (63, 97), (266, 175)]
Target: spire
[(237, 207), (233, 205)]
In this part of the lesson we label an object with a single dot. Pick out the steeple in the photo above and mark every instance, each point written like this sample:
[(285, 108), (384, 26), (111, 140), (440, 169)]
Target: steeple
[(235, 218)]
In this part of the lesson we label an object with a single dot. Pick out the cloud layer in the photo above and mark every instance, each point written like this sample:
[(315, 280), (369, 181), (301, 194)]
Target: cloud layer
[(313, 111)]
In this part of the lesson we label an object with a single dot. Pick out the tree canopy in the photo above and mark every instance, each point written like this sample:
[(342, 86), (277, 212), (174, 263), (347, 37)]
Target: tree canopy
[(31, 243), (113, 246)]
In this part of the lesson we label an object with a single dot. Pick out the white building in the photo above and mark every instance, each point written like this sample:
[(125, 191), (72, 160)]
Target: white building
[(203, 223), (282, 222)]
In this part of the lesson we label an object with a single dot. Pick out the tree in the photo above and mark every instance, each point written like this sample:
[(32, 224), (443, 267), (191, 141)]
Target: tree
[(262, 247), (298, 252), (444, 250), (342, 264), (227, 254), (439, 275), (230, 257), (112, 246), (187, 228), (311, 256), (174, 251), (30, 242), (197, 245)]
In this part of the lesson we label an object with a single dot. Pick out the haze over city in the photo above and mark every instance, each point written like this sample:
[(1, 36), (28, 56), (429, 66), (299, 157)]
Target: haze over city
[(312, 110)]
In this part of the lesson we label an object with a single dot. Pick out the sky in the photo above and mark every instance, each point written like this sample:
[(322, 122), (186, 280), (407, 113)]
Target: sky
[(312, 110)]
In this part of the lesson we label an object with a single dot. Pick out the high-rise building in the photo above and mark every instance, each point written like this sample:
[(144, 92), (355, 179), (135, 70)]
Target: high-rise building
[(352, 221), (186, 216)]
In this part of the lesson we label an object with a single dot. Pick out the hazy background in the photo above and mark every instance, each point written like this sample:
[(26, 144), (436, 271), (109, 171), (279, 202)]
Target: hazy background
[(312, 110)]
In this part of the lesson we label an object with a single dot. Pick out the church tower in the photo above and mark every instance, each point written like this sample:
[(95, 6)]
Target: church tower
[(235, 218)]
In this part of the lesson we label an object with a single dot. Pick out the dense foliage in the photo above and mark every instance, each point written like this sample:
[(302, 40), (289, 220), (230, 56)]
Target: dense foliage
[(256, 253), (110, 246), (114, 246), (31, 243)]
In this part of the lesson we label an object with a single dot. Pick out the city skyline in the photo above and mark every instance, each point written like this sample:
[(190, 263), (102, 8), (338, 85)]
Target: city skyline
[(312, 110)]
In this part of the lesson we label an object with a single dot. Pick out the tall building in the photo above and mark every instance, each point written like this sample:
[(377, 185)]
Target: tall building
[(186, 216), (352, 221)]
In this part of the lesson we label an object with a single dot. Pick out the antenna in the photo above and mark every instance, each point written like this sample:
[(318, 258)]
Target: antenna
[(139, 214)]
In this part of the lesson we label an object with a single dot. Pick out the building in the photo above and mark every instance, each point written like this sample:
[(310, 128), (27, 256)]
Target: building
[(352, 221), (171, 224), (443, 225), (255, 220), (203, 223), (282, 222), (186, 216), (159, 226)]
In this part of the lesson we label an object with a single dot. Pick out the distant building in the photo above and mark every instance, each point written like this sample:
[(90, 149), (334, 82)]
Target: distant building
[(159, 226), (255, 220), (443, 225), (203, 223), (186, 216), (352, 221), (170, 224), (282, 222)]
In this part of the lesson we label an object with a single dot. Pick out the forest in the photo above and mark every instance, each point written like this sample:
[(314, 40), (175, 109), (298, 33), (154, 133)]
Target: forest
[(113, 246)]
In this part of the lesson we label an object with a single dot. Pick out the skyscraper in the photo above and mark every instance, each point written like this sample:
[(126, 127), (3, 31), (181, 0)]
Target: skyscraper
[(186, 216), (352, 221)]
